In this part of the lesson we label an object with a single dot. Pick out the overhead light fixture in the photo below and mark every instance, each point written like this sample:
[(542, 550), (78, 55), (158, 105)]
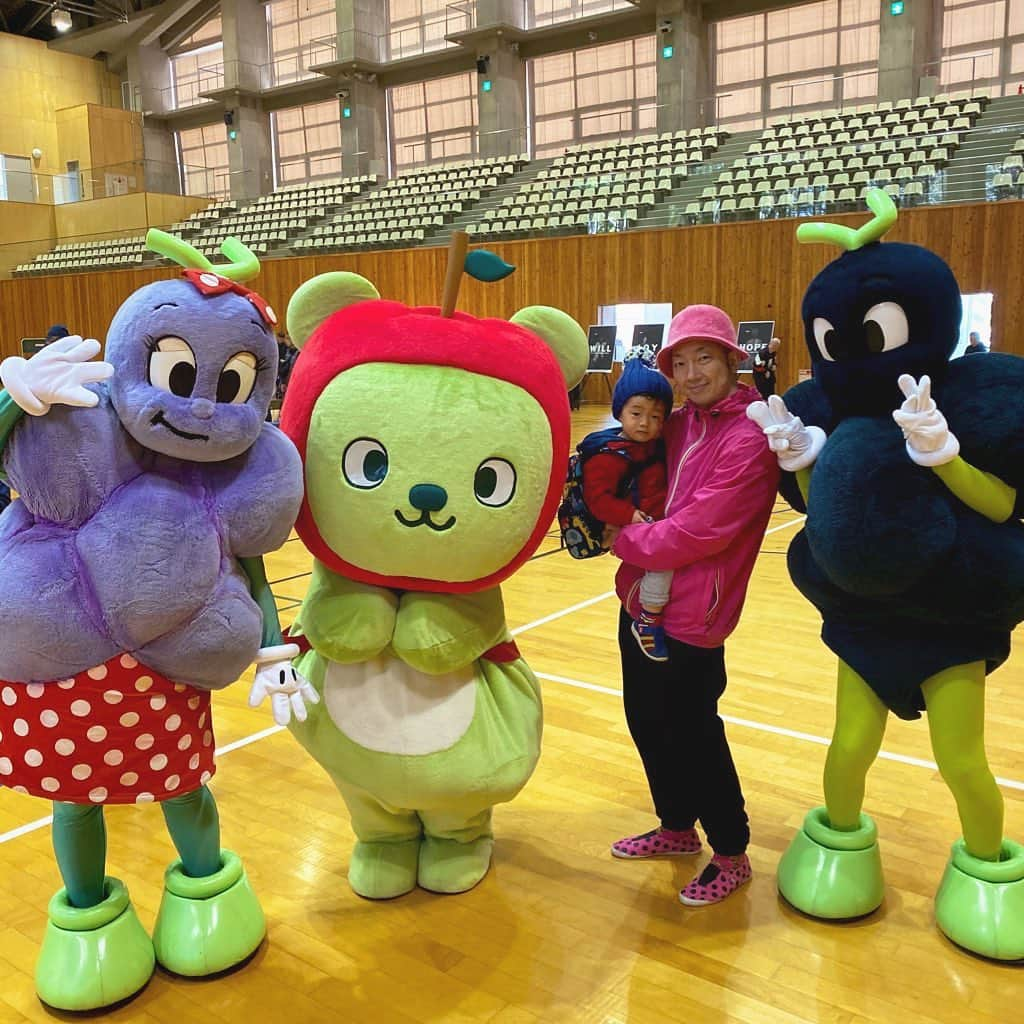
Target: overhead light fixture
[(60, 19)]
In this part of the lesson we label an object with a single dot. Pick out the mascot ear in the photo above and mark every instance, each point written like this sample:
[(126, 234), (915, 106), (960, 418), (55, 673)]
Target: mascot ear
[(314, 301), (563, 335)]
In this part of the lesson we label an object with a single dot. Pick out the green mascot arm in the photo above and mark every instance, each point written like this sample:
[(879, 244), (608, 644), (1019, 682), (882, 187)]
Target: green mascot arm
[(346, 621), (260, 590), (438, 633), (10, 415), (986, 494)]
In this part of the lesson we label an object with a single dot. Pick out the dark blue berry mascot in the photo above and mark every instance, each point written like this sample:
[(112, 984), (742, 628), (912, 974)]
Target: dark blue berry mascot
[(910, 468)]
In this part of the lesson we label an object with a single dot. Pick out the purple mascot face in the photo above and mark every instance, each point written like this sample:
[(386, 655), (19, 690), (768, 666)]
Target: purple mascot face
[(195, 373)]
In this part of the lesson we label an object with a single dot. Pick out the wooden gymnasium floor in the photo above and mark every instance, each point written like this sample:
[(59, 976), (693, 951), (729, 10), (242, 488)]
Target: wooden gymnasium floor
[(559, 931)]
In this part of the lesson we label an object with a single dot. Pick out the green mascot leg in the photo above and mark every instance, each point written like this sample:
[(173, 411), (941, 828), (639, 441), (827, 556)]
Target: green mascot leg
[(832, 869), (95, 951), (387, 848), (209, 918), (980, 903), (456, 850)]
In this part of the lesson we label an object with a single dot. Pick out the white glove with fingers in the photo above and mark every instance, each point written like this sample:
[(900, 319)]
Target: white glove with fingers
[(289, 692), (56, 375), (930, 442), (795, 445)]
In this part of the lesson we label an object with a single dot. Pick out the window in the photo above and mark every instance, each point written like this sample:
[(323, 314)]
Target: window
[(308, 142), (204, 161), (812, 57), (302, 34), (196, 72), (982, 45), (604, 92), (434, 121), (550, 12), (417, 26)]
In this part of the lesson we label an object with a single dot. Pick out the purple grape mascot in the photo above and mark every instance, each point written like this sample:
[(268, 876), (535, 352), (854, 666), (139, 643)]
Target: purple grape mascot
[(132, 585)]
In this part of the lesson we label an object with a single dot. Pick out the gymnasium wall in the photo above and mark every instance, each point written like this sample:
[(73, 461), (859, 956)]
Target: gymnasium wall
[(37, 83), (754, 270)]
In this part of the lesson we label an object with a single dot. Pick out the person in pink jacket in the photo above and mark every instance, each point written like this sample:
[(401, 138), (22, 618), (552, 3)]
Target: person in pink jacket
[(721, 489)]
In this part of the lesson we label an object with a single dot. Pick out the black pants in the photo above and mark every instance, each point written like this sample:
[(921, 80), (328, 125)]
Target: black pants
[(765, 384), (672, 713)]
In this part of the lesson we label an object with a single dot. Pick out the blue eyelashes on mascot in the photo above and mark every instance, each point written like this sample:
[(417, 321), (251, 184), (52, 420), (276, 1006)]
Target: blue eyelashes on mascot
[(131, 585), (433, 448), (910, 468)]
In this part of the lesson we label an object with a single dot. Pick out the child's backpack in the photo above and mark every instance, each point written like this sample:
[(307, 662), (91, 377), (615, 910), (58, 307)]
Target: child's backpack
[(582, 531)]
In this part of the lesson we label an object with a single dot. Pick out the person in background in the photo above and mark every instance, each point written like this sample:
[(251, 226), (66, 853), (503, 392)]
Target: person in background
[(764, 368), (974, 345)]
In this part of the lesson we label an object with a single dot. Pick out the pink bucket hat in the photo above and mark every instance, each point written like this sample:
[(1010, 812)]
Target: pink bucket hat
[(698, 323)]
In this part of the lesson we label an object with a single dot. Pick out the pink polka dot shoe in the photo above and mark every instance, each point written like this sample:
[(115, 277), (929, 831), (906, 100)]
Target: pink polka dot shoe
[(659, 842), (722, 877)]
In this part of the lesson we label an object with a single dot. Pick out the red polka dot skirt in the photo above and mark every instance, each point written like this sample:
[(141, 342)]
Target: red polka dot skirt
[(118, 733)]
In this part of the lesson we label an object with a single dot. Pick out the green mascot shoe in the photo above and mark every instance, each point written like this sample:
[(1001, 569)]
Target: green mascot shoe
[(448, 866), (831, 874), (206, 925), (382, 871), (93, 957), (980, 903)]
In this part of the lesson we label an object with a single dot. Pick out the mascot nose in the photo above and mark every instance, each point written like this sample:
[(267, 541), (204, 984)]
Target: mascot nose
[(428, 497), (202, 408)]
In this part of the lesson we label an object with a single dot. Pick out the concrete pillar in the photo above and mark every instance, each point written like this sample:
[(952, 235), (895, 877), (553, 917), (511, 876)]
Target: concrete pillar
[(149, 72), (684, 80), (364, 140), (504, 12), (246, 67), (362, 30), (908, 43), (501, 110)]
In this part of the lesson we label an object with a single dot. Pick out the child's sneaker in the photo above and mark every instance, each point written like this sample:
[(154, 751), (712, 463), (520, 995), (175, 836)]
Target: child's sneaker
[(722, 877), (659, 842), (651, 639)]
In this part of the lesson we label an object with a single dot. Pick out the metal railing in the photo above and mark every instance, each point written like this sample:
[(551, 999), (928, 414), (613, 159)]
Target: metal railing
[(461, 146), (299, 65)]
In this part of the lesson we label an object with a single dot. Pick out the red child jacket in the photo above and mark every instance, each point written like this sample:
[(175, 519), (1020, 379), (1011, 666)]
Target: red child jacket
[(603, 476)]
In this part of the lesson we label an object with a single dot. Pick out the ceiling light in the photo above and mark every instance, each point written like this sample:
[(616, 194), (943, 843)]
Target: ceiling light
[(60, 19)]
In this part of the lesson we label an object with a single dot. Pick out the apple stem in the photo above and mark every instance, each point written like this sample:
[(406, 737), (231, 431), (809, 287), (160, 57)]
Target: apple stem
[(457, 248)]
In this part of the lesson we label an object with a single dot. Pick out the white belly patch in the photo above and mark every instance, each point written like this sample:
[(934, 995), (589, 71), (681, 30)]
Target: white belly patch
[(387, 706)]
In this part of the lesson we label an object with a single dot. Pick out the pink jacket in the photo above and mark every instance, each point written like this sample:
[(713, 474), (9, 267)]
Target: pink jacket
[(722, 481)]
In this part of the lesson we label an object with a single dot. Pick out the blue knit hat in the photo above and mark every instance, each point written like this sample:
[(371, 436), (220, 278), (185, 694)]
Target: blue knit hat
[(639, 378)]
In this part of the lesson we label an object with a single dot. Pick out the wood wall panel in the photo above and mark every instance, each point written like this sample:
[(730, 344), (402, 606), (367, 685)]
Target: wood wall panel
[(754, 270)]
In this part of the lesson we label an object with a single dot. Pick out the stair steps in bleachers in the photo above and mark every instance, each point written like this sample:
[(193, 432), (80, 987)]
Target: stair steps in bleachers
[(969, 175), (670, 211), (475, 213)]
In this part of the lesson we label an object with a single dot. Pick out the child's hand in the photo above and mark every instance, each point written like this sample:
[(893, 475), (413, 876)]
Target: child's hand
[(640, 517)]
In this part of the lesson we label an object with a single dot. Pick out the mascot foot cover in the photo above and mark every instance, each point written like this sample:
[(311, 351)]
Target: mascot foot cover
[(831, 874), (93, 957), (448, 866), (382, 871), (206, 925), (980, 903)]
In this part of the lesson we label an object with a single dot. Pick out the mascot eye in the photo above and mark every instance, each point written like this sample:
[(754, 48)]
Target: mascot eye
[(237, 379), (886, 327), (172, 367), (365, 463), (494, 483), (825, 336)]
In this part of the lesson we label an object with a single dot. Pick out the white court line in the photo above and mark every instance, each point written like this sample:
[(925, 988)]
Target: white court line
[(777, 730), (34, 826)]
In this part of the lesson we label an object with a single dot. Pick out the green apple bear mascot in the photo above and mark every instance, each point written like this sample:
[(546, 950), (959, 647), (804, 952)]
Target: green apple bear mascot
[(434, 448)]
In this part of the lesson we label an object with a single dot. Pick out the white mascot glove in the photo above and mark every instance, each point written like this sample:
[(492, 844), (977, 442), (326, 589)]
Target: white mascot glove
[(55, 376), (930, 442), (795, 445), (289, 692)]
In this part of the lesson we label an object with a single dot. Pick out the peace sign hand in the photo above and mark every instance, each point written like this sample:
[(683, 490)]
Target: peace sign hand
[(930, 442), (795, 445)]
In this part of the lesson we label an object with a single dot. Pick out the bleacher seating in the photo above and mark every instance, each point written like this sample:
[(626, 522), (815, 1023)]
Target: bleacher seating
[(826, 161), (412, 206), (803, 166), (603, 186)]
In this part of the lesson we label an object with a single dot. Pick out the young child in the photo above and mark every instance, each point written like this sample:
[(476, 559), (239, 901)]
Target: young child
[(621, 491)]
